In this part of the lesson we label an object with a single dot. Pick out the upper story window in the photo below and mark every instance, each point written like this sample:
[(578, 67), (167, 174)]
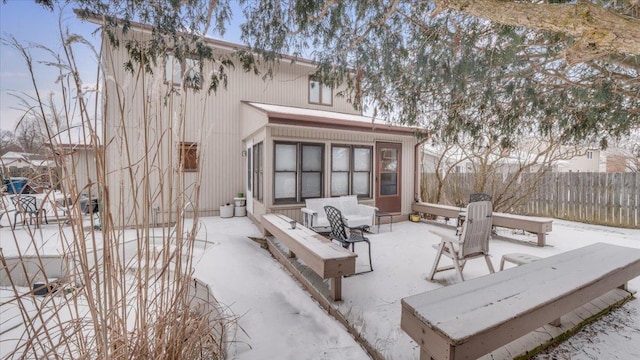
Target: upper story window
[(589, 154), (298, 171), (319, 93), (189, 156), (178, 72)]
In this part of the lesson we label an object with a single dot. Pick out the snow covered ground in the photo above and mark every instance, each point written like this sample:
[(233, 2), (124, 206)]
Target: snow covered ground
[(278, 319)]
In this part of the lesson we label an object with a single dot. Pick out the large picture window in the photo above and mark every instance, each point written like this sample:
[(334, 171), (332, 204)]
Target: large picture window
[(298, 171), (319, 93), (257, 172), (351, 170)]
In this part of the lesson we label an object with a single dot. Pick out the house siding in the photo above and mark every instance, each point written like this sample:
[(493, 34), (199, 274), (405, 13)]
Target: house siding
[(328, 137), (211, 120)]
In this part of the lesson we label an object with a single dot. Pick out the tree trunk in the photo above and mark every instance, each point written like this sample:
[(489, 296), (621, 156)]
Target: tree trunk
[(597, 30)]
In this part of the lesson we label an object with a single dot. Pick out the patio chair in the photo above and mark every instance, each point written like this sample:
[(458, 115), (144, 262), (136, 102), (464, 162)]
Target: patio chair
[(472, 243), (473, 197), (339, 232), (27, 206)]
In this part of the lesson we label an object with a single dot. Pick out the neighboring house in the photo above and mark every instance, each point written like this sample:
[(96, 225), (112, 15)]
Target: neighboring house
[(429, 160), (454, 160), (279, 140), (20, 161), (78, 163), (24, 160), (589, 162)]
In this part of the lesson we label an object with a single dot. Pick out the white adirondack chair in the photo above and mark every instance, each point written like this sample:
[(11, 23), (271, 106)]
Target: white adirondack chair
[(472, 243)]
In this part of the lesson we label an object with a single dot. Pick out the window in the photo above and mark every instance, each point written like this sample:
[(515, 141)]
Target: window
[(589, 154), (187, 71), (257, 172), (319, 93), (351, 170), (189, 156), (249, 169), (297, 172)]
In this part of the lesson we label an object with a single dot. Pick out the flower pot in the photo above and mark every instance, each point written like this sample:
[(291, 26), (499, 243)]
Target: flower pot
[(226, 211), (239, 201)]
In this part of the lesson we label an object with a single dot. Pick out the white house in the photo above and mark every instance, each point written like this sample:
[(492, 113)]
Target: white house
[(24, 160), (279, 141), (588, 162)]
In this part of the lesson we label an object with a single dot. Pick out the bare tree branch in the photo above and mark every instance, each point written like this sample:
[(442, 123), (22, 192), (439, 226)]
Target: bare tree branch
[(598, 31)]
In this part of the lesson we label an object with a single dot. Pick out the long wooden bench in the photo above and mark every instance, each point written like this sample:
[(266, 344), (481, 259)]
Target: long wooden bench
[(472, 318), (537, 225), (327, 259), (437, 209)]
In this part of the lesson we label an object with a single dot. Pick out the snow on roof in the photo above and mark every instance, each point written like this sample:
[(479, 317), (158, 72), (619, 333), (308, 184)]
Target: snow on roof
[(328, 117), (10, 155), (302, 112)]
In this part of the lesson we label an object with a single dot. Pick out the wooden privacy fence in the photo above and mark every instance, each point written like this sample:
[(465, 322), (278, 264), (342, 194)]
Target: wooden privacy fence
[(597, 198)]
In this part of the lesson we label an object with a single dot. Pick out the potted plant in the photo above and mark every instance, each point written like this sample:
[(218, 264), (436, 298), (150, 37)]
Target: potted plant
[(239, 199)]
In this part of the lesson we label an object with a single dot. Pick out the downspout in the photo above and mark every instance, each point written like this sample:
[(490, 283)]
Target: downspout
[(416, 167)]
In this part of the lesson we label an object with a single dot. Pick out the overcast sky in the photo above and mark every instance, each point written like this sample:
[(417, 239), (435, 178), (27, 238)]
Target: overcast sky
[(30, 23)]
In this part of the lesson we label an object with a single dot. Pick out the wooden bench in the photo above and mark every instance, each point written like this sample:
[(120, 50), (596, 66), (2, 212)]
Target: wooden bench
[(437, 209), (327, 259), (517, 258), (536, 225), (472, 318)]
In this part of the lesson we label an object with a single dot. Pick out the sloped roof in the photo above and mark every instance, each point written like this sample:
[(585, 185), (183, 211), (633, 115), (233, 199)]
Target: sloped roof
[(289, 115)]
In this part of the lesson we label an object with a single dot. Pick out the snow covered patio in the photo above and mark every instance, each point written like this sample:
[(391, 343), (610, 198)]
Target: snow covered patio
[(279, 319)]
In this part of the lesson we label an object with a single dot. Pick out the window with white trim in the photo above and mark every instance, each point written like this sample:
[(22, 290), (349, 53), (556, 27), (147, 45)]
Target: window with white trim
[(250, 169), (298, 171), (178, 72), (319, 93), (351, 170), (258, 176)]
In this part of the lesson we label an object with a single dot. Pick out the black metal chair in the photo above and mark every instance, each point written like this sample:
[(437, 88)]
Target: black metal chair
[(27, 206), (339, 232)]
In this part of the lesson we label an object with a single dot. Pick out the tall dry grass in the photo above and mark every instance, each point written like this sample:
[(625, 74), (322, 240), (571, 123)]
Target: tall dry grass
[(128, 292)]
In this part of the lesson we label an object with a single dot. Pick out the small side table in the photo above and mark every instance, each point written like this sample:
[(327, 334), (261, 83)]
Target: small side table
[(381, 214)]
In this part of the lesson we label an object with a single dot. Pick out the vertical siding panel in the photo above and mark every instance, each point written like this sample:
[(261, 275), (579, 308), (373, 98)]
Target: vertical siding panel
[(214, 122)]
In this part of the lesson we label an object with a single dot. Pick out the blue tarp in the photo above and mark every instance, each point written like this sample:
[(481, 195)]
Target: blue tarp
[(15, 185)]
